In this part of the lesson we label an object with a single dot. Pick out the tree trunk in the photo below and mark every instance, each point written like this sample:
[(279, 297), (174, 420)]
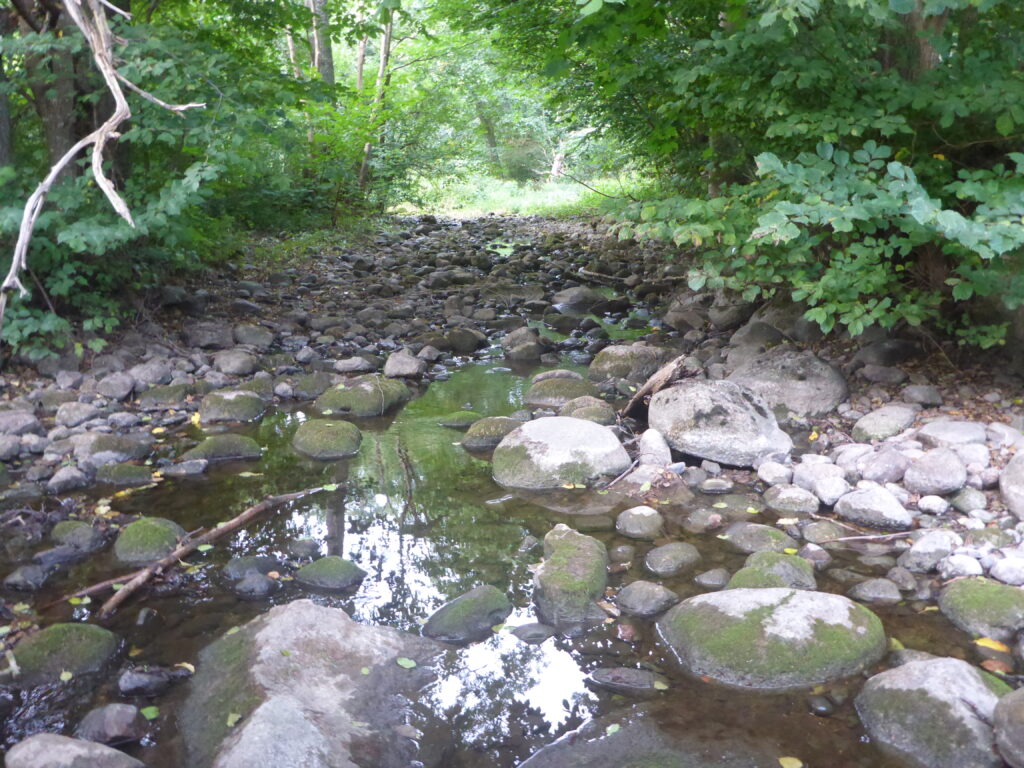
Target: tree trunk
[(323, 56), (922, 29), (378, 98), (52, 83), (491, 137), (361, 62), (6, 125)]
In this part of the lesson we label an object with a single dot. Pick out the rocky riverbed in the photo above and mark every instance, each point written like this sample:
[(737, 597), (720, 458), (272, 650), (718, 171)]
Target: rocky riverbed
[(798, 552)]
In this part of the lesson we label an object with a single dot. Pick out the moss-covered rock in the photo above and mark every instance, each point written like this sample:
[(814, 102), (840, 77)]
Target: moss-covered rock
[(165, 396), (933, 713), (236, 405), (331, 573), (459, 419), (75, 648), (755, 537), (636, 362), (146, 540), (469, 617), (555, 451), (76, 534), (124, 475), (772, 639), (772, 569), (263, 386), (573, 575), (983, 607), (556, 392), (311, 386), (485, 434), (224, 447), (327, 439), (601, 413), (364, 397)]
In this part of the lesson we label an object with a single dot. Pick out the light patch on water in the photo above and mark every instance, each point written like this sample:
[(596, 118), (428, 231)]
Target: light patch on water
[(381, 500)]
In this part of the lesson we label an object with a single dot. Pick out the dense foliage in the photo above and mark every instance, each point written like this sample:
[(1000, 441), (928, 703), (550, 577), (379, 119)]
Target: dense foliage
[(860, 155)]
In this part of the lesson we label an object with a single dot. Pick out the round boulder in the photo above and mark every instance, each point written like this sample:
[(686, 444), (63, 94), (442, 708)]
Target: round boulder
[(772, 639), (331, 573), (555, 451), (147, 540), (556, 392), (73, 647), (794, 380), (485, 434), (717, 420), (239, 405), (984, 608), (327, 440), (364, 397), (469, 617)]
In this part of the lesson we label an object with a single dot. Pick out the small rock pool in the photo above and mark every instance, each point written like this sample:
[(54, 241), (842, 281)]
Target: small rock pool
[(425, 520)]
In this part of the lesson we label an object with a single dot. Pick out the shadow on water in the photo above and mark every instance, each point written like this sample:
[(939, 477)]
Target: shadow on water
[(424, 519)]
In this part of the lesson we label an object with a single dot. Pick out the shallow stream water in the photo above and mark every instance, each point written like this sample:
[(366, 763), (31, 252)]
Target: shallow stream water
[(424, 519)]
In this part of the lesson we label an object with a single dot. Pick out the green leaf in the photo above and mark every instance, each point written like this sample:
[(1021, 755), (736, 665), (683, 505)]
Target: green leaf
[(405, 663), (593, 6), (660, 685), (150, 713), (364, 671), (1004, 124), (204, 547), (330, 488), (613, 728), (65, 676), (233, 719)]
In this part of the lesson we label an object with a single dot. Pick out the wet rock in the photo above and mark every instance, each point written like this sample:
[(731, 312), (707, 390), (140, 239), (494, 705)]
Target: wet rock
[(170, 396), (146, 540), (363, 397), (793, 380), (717, 420), (487, 433), (327, 440), (124, 475), (209, 335), (633, 362), (234, 362), (926, 552), (716, 578), (469, 617), (523, 345), (223, 448), (556, 392), (640, 522), (645, 598), (19, 423), (116, 386), (772, 639), (77, 648), (791, 500), (876, 592), (99, 449), (883, 422), (628, 681), (48, 750), (239, 405), (984, 608), (875, 507), (671, 559), (764, 570), (331, 573), (27, 578), (112, 724), (148, 680), (578, 299), (1008, 721), (67, 479), (75, 413), (939, 471), (460, 420), (255, 586), (186, 468), (311, 386), (239, 567), (401, 364), (76, 534), (754, 537), (533, 634), (553, 451), (571, 577), (774, 473), (465, 341), (297, 678), (934, 713), (949, 434)]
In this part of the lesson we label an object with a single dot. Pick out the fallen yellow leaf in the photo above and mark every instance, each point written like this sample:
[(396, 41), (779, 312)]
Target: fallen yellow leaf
[(995, 645), (791, 762)]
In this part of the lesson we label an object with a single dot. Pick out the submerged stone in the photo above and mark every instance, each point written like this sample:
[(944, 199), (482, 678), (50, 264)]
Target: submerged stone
[(772, 639), (773, 569), (485, 434), (459, 419), (327, 440), (363, 397), (331, 573), (556, 392), (124, 475), (572, 576), (469, 617), (223, 448)]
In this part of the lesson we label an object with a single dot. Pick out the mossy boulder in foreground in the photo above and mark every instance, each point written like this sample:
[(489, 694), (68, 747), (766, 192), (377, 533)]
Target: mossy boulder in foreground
[(772, 639), (364, 397), (146, 540), (934, 713), (327, 439), (573, 575), (73, 647)]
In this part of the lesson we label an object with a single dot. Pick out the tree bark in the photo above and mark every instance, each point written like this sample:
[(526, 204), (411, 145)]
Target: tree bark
[(922, 29), (361, 62), (6, 125), (323, 56), (378, 98), (52, 83)]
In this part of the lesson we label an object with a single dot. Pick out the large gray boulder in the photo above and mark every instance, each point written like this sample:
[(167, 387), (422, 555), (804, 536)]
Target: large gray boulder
[(1011, 485), (984, 608), (793, 380), (717, 420), (874, 506), (49, 750), (772, 639), (636, 362), (555, 451), (304, 685), (933, 713), (939, 471), (572, 576)]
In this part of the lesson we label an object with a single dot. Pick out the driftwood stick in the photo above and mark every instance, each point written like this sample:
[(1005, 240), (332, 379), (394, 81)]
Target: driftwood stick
[(876, 537), (132, 581), (657, 382)]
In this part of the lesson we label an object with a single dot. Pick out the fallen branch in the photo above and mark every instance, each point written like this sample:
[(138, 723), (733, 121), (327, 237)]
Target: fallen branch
[(133, 581), (875, 537), (91, 20), (664, 376)]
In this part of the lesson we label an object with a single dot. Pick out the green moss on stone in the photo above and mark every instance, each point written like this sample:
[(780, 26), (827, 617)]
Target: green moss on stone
[(556, 392), (231, 406), (222, 447), (165, 396), (364, 397), (327, 439), (485, 434), (331, 573), (599, 414), (573, 575), (75, 533), (124, 475), (983, 607), (75, 648), (147, 540), (459, 419)]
